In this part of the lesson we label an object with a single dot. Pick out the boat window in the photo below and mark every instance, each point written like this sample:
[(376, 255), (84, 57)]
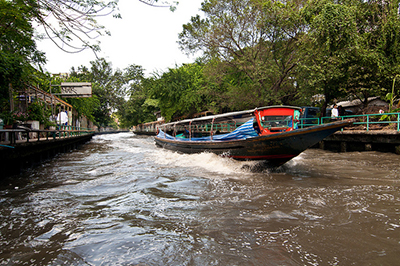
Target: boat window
[(276, 121)]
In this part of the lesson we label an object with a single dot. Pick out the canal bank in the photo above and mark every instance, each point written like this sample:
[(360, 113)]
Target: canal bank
[(361, 140), (22, 155)]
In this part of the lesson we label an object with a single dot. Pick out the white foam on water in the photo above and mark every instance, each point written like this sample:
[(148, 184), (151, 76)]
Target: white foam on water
[(299, 159), (126, 142), (198, 163), (201, 161)]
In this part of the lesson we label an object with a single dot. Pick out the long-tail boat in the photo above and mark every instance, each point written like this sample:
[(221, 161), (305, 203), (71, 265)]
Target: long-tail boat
[(270, 133)]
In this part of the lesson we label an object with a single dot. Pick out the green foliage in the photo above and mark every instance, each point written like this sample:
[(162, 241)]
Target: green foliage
[(255, 52), (278, 52), (37, 111), (17, 46), (351, 49), (85, 106), (109, 88), (179, 91), (327, 48), (391, 97), (272, 52), (100, 105), (7, 117), (252, 46), (138, 109)]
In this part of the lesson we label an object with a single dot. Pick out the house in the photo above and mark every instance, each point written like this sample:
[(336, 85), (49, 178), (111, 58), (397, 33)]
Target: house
[(356, 106), (158, 116)]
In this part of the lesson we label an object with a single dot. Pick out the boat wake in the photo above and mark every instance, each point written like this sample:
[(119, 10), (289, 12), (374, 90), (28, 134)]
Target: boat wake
[(259, 167), (204, 162)]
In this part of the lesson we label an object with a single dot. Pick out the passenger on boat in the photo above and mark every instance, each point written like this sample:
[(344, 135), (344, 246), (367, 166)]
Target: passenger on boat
[(334, 112), (256, 127), (186, 133)]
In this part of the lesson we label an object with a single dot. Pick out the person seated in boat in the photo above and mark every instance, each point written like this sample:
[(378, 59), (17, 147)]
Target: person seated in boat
[(186, 133), (296, 120), (256, 127)]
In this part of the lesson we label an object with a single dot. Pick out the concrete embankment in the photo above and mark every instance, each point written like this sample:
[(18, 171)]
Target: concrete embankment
[(23, 155), (361, 140)]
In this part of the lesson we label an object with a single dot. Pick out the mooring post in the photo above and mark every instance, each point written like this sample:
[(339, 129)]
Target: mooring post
[(368, 147), (343, 146), (322, 145)]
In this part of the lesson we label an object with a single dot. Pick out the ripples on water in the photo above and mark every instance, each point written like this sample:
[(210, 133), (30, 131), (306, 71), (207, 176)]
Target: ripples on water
[(119, 200)]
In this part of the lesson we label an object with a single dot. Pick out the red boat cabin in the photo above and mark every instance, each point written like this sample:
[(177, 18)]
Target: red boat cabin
[(277, 119)]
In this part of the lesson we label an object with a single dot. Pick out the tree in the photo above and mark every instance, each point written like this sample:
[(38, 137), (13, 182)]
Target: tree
[(72, 25), (139, 108), (103, 87), (109, 86), (378, 61), (179, 91), (351, 48), (254, 41), (17, 47), (330, 42)]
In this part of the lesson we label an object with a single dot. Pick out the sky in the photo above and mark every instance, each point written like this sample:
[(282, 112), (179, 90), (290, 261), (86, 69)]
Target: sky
[(145, 36)]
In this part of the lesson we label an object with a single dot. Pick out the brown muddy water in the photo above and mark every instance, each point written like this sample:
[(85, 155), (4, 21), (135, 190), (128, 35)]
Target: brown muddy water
[(120, 200)]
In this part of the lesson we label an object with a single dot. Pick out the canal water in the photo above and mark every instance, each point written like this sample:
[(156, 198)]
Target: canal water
[(120, 200)]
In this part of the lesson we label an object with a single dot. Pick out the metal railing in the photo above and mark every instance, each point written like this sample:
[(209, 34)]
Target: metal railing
[(13, 136), (221, 127), (368, 120), (203, 128)]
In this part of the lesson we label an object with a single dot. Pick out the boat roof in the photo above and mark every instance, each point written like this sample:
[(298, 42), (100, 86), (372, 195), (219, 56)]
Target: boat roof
[(228, 116)]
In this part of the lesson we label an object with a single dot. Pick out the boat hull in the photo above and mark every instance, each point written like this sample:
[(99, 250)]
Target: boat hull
[(276, 149)]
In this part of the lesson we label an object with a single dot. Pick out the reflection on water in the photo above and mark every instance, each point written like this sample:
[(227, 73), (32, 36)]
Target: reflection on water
[(119, 200)]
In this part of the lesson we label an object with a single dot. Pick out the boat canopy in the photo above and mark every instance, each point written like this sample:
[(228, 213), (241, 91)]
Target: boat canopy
[(226, 116), (214, 118), (264, 120), (244, 131)]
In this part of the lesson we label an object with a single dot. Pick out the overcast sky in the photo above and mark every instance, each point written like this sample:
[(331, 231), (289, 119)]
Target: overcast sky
[(145, 36)]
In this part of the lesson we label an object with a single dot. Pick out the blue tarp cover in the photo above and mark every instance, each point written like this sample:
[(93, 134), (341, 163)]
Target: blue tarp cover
[(245, 131)]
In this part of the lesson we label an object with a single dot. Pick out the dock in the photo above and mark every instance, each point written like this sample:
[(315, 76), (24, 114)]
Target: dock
[(362, 140), (20, 149)]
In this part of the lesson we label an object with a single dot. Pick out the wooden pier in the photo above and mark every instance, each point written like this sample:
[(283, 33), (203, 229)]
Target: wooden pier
[(361, 140), (21, 149)]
